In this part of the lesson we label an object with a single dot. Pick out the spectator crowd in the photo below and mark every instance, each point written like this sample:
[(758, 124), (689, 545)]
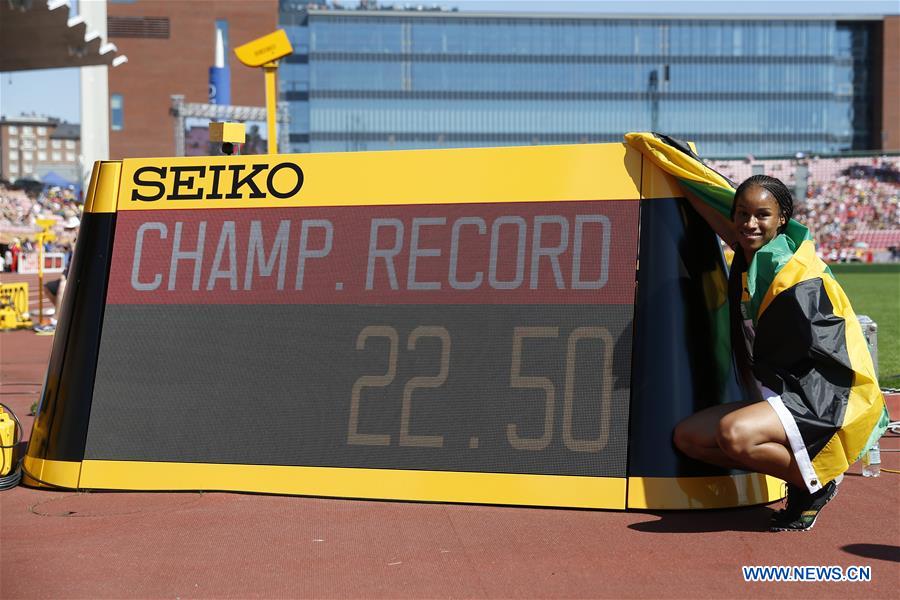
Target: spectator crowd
[(20, 210), (847, 214), (851, 206)]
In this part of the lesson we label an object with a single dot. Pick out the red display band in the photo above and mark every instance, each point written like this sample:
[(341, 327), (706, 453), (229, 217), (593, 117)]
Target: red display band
[(504, 253)]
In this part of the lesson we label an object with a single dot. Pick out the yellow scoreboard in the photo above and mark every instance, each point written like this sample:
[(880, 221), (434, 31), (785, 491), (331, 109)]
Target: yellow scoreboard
[(505, 325)]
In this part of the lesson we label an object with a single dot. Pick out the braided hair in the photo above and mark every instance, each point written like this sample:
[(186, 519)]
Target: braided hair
[(776, 188), (785, 200)]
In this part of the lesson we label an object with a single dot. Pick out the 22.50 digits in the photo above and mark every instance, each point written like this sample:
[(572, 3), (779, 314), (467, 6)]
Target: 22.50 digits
[(406, 439), (516, 381)]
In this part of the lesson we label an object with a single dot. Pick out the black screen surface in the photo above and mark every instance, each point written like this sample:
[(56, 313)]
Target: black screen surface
[(478, 338), (209, 384)]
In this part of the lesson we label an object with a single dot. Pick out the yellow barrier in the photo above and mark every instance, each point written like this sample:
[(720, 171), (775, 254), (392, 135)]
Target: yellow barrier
[(7, 439), (14, 306)]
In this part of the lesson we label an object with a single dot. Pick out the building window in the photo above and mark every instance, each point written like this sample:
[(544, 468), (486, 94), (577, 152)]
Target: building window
[(27, 155), (70, 156), (42, 143), (13, 155), (13, 143), (57, 156), (56, 144), (42, 155), (27, 168), (70, 144), (27, 130), (13, 167), (116, 110), (13, 130), (42, 131), (138, 27)]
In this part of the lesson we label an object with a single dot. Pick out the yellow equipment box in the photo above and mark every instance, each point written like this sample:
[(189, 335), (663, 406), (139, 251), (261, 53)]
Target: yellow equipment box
[(14, 306), (7, 437)]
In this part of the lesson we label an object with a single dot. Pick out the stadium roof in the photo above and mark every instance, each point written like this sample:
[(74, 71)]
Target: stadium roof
[(585, 16), (38, 34), (782, 10)]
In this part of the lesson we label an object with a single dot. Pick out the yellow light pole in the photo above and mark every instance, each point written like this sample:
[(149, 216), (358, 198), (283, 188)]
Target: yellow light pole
[(271, 71), (44, 236), (265, 52)]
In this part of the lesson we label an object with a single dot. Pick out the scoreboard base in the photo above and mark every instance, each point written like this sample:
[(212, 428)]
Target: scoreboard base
[(380, 484), (654, 493), (724, 491)]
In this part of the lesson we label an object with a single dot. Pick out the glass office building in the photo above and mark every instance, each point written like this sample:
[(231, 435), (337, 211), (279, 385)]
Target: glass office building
[(394, 79)]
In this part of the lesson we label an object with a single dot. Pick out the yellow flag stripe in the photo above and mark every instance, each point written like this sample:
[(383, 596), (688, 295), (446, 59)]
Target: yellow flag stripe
[(865, 403), (802, 266), (674, 161)]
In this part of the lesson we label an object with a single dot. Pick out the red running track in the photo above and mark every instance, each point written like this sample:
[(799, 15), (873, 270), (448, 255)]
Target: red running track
[(219, 545)]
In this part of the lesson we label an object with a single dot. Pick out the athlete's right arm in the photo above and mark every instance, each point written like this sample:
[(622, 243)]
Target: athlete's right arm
[(724, 228)]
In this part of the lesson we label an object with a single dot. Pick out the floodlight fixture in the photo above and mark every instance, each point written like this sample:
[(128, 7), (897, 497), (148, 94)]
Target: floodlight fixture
[(265, 52)]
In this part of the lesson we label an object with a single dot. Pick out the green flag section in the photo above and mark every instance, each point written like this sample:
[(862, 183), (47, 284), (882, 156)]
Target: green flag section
[(809, 347)]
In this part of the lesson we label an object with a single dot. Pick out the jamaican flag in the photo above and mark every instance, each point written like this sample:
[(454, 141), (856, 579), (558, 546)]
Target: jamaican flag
[(809, 347)]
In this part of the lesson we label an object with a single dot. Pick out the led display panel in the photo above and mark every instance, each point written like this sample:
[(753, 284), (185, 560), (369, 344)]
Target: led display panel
[(443, 325)]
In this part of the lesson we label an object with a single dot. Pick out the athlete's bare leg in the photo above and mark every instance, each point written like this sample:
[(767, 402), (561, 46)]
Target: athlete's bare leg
[(696, 435), (754, 437), (741, 435)]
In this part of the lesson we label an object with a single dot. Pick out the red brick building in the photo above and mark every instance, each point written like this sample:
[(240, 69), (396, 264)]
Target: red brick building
[(170, 47), (32, 146)]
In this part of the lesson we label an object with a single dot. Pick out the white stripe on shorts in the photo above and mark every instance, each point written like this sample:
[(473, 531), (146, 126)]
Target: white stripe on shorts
[(801, 454)]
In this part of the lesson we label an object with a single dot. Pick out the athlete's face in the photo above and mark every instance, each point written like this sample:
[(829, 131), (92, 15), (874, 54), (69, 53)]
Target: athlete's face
[(758, 218)]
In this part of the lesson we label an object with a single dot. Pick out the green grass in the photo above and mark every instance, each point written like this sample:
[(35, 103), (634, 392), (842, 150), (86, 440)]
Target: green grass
[(864, 268), (875, 291)]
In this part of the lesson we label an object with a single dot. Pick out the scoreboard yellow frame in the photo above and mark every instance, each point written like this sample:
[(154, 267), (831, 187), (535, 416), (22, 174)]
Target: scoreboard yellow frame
[(489, 175)]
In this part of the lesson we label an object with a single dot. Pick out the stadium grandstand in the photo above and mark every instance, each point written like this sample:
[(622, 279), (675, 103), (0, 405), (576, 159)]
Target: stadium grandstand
[(850, 204), (21, 208)]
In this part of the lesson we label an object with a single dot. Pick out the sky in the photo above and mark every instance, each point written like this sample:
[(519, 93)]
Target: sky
[(55, 92)]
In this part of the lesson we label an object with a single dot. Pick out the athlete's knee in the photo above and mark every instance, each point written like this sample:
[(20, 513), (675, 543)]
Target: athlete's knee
[(734, 437)]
